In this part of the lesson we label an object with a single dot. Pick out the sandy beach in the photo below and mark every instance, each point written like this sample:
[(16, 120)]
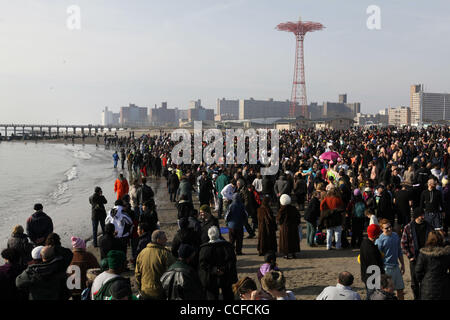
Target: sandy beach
[(312, 271)]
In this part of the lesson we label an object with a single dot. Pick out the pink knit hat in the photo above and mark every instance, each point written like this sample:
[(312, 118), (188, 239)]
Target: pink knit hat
[(78, 243)]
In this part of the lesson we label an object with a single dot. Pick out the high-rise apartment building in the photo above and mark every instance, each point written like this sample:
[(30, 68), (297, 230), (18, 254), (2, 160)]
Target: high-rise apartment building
[(133, 116), (256, 109), (228, 108), (428, 107)]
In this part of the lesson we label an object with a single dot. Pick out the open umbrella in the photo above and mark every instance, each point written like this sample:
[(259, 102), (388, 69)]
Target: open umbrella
[(330, 155)]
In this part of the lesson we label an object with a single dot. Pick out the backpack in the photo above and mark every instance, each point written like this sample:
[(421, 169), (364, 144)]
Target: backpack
[(358, 210)]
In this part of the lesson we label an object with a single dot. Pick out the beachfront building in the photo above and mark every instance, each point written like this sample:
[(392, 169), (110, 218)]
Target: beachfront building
[(427, 107), (227, 109), (133, 116), (255, 109), (334, 124), (197, 113), (400, 116), (162, 116), (109, 118)]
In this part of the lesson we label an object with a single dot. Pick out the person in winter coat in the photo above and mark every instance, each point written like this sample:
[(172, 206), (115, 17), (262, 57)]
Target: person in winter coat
[(217, 266), (45, 281), (150, 216), (8, 274), (432, 268), (357, 207), (84, 260), (300, 190), (431, 202), (181, 280), (385, 208), (39, 225), (97, 201), (186, 235), (108, 241), (173, 183), (288, 218), (207, 220), (206, 189), (185, 188), (121, 186), (151, 264), (145, 193), (122, 222), (281, 187), (332, 217), (53, 240), (184, 207), (236, 217), (312, 214), (267, 228), (370, 256), (414, 238), (145, 237), (19, 241)]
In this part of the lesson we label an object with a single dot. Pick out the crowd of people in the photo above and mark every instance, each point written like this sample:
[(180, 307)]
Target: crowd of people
[(385, 192)]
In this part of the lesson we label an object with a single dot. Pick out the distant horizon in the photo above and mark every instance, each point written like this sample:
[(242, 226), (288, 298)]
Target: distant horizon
[(57, 69)]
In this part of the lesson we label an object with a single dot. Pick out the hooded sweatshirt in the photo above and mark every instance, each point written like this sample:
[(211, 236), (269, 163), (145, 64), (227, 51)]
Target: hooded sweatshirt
[(122, 222)]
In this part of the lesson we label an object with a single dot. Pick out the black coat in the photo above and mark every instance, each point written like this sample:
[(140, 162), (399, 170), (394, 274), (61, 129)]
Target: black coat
[(385, 209), (144, 194), (215, 256), (206, 191), (151, 218), (312, 213), (185, 209), (181, 282), (39, 225), (143, 240), (369, 255), (432, 270), (186, 236), (173, 182), (98, 206)]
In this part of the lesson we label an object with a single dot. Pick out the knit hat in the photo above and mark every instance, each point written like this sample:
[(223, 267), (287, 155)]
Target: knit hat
[(367, 189), (285, 200), (78, 243), (185, 251), (373, 231), (356, 192), (116, 259), (36, 252)]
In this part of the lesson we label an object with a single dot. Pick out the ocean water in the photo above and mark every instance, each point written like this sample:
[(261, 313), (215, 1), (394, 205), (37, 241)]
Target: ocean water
[(61, 177)]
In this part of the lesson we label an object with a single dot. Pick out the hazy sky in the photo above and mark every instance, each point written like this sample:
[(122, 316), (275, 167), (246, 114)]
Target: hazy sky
[(149, 51)]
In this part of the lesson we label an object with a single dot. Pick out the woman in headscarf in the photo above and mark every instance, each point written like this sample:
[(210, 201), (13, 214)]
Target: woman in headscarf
[(267, 228), (289, 220)]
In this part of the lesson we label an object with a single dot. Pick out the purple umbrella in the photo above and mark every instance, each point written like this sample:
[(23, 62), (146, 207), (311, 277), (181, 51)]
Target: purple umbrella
[(330, 155)]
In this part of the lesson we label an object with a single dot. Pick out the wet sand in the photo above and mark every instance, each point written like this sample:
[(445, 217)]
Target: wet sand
[(312, 271)]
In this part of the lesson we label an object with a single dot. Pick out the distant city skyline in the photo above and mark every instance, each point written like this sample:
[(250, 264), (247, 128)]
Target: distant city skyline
[(147, 52)]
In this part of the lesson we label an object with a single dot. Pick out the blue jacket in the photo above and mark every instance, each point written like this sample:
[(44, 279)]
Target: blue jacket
[(236, 215)]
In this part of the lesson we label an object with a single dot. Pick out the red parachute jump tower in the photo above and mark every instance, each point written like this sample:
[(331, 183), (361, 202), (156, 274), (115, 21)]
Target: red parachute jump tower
[(298, 96)]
